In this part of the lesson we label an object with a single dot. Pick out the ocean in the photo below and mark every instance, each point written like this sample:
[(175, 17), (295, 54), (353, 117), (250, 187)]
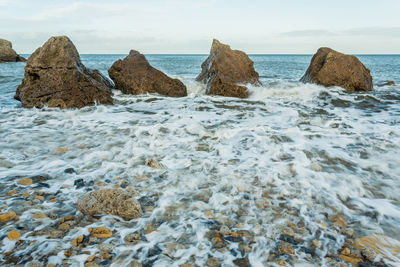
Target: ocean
[(279, 164)]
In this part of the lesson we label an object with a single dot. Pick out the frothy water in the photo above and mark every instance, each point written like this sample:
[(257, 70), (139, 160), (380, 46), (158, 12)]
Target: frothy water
[(292, 156)]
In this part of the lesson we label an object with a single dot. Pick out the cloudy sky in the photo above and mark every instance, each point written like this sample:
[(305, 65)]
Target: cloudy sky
[(188, 26)]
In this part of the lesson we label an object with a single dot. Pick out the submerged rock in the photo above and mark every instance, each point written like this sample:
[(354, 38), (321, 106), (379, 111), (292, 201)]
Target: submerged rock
[(379, 245), (7, 53), (331, 68), (56, 77), (134, 75), (225, 70), (110, 201), (388, 83)]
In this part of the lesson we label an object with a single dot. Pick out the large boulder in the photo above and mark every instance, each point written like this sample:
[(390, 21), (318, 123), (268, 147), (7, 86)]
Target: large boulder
[(56, 77), (110, 201), (134, 75), (331, 68), (7, 53), (226, 71)]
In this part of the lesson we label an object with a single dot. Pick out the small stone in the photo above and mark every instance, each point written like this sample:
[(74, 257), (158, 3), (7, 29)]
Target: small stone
[(154, 164), (60, 150), (91, 258), (77, 240), (106, 248), (209, 214), (50, 265), (67, 218), (142, 178), (25, 181), (316, 244), (39, 215), (67, 254), (63, 227), (149, 229), (281, 262), (14, 235), (26, 194), (69, 170), (217, 242), (5, 217), (101, 232), (132, 239), (346, 251), (212, 262), (91, 264), (41, 198), (285, 248), (105, 256), (12, 192), (351, 260), (339, 221), (316, 167)]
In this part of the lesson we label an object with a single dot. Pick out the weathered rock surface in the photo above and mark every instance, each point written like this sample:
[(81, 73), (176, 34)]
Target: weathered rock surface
[(226, 70), (56, 77), (331, 68), (7, 53), (110, 201), (134, 75), (384, 246)]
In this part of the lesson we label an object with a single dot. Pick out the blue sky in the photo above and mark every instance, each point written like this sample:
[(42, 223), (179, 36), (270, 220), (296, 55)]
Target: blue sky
[(186, 26)]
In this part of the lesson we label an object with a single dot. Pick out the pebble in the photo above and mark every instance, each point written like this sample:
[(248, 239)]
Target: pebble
[(7, 216), (39, 215), (25, 181), (77, 240), (14, 235), (101, 232), (132, 239), (339, 221), (106, 248), (154, 164), (69, 170), (212, 262), (12, 192), (285, 248), (63, 226)]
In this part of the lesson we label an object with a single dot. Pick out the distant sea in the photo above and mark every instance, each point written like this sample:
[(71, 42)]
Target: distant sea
[(290, 154)]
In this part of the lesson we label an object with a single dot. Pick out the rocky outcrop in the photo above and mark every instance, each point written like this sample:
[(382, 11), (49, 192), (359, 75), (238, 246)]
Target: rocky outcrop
[(56, 77), (134, 75), (331, 68), (7, 53), (110, 201), (226, 71)]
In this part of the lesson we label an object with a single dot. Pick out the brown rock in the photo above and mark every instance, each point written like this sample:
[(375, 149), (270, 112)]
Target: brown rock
[(110, 201), (285, 248), (7, 53), (25, 181), (380, 245), (331, 68), (225, 69), (14, 235), (5, 217), (388, 83), (56, 77), (134, 75), (101, 232)]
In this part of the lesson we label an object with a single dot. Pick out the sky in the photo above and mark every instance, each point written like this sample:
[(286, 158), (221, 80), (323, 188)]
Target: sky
[(188, 26)]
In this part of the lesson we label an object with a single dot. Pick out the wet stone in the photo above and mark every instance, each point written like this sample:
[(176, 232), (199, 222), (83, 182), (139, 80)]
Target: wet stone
[(212, 262), (243, 262), (79, 183), (69, 170)]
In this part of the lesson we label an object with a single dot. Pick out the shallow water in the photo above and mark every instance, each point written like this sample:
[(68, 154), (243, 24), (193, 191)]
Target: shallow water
[(292, 154)]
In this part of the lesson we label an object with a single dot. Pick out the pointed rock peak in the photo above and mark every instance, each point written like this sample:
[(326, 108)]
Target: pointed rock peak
[(218, 45), (58, 51), (134, 52), (7, 53)]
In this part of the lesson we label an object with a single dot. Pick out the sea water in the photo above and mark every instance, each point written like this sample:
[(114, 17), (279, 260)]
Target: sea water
[(291, 156)]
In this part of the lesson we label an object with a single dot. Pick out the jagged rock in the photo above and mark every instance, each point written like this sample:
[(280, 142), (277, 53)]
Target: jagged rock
[(225, 72), (7, 53), (134, 75), (388, 83), (110, 201), (331, 68), (56, 77)]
